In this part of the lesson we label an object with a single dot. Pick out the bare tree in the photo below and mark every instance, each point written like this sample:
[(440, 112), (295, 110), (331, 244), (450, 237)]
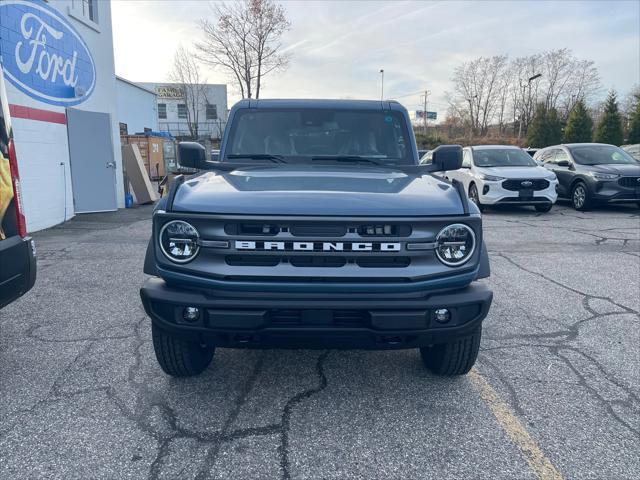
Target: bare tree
[(188, 79), (244, 40)]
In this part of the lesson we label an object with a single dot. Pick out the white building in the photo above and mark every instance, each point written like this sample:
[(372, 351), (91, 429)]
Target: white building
[(172, 110), (57, 58), (137, 111)]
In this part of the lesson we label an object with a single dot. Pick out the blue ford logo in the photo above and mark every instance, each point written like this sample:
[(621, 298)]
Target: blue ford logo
[(43, 55)]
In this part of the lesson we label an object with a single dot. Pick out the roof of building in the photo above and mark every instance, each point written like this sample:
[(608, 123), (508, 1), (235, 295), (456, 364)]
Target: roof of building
[(133, 84)]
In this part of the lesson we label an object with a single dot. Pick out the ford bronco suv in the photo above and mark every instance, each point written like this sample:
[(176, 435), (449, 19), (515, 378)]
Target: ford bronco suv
[(316, 228)]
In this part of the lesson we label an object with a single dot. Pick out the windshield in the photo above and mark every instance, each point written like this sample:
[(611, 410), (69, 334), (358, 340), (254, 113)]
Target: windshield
[(292, 134), (502, 157), (600, 154)]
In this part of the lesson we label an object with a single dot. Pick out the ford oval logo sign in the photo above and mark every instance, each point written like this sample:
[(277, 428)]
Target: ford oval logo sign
[(43, 55)]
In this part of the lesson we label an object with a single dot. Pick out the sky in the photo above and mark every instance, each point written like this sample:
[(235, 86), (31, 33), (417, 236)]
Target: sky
[(339, 47)]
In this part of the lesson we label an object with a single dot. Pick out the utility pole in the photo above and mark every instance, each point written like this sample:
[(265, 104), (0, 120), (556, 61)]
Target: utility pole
[(382, 84), (424, 112)]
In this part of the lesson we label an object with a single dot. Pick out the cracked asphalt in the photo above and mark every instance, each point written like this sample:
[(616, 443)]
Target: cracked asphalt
[(81, 395)]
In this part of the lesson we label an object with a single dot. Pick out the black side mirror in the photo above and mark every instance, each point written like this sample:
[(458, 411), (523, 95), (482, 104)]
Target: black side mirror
[(447, 157), (192, 155), (564, 163)]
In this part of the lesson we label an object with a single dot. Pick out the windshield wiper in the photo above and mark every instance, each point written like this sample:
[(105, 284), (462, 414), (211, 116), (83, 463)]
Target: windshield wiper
[(353, 159), (260, 156)]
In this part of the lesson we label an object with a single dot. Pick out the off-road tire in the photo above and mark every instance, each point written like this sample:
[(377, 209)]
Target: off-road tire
[(543, 208), (586, 204), (474, 196), (178, 357), (453, 358)]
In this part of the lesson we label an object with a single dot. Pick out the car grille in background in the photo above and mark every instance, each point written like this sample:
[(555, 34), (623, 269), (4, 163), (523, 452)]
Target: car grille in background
[(629, 182), (516, 184)]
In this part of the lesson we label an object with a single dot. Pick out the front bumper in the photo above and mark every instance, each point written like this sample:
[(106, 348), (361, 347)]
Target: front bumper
[(292, 321), (497, 195), (610, 191)]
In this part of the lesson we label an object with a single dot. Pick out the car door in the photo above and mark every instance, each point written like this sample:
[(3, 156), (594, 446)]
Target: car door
[(564, 170)]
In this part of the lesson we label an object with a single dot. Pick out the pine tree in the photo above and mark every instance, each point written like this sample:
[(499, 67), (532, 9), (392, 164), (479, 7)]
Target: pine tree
[(634, 126), (545, 128), (579, 125), (609, 130)]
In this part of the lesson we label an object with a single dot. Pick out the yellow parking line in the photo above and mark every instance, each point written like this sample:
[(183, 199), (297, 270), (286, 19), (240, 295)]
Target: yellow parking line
[(532, 453)]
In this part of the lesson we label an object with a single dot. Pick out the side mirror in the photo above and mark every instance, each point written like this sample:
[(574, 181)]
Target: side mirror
[(192, 155), (564, 163), (447, 157)]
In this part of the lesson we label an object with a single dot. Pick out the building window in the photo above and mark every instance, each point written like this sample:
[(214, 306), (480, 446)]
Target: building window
[(212, 111), (87, 9), (182, 110), (162, 110), (124, 129)]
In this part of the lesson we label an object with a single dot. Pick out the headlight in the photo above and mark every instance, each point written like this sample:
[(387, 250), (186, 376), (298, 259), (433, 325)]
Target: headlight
[(455, 244), (179, 241), (491, 178), (603, 176)]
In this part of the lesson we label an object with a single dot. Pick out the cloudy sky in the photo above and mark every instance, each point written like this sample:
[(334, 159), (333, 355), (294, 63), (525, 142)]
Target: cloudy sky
[(339, 47)]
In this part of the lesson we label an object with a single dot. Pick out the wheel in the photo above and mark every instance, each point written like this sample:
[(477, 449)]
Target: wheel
[(543, 208), (178, 357), (475, 198), (580, 197), (453, 358)]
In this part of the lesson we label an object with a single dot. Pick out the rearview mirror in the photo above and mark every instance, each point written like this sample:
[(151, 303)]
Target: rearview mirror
[(192, 155), (447, 157), (564, 163)]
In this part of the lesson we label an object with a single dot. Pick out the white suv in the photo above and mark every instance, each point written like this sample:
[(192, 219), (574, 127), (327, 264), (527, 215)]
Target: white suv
[(499, 174)]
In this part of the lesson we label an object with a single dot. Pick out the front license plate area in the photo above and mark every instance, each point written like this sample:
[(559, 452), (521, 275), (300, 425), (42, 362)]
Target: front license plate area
[(526, 193)]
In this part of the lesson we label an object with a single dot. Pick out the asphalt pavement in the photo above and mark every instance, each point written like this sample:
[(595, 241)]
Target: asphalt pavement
[(555, 392)]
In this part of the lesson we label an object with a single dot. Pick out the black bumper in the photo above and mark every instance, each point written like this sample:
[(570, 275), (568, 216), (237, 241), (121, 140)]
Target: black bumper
[(18, 268), (253, 321)]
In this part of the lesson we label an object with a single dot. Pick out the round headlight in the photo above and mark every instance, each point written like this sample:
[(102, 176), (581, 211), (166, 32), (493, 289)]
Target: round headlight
[(455, 244), (179, 241)]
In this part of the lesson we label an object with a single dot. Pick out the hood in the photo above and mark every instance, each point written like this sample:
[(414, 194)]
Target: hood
[(625, 169), (318, 190), (516, 172)]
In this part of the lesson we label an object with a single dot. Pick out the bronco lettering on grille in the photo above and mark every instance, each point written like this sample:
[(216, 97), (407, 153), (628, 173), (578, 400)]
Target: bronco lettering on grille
[(318, 246)]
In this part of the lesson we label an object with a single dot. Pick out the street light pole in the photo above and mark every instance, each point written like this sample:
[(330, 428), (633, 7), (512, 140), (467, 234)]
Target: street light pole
[(381, 84), (531, 79)]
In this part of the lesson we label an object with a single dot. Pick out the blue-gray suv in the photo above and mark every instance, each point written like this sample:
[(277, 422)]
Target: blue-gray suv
[(316, 228)]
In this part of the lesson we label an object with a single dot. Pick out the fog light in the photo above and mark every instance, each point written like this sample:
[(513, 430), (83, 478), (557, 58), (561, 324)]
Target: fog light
[(191, 314), (442, 315)]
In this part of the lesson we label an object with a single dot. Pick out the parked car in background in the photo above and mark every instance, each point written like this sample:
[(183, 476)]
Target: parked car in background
[(531, 151), (422, 153), (593, 173), (633, 150), (215, 155), (17, 250), (499, 174)]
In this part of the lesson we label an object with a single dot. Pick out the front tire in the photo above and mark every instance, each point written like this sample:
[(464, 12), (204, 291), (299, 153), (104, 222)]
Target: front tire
[(580, 197), (178, 357), (453, 358), (475, 197), (543, 208)]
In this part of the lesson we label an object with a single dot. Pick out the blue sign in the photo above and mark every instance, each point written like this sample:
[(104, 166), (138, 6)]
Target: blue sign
[(43, 55)]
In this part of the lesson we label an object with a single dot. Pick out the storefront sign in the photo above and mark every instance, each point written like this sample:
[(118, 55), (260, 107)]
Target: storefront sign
[(43, 55), (169, 91)]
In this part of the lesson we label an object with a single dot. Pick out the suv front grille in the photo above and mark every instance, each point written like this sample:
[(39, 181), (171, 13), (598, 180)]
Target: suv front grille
[(514, 185), (629, 182)]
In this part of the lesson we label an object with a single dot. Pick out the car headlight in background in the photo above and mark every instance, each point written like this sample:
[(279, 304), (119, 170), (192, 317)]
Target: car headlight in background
[(603, 176), (179, 241), (491, 178), (455, 244)]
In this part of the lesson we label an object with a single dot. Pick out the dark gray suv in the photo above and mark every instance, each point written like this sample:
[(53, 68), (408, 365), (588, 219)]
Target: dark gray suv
[(593, 173)]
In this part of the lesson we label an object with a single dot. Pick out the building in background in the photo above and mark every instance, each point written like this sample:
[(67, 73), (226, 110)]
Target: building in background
[(57, 60), (136, 107), (173, 115)]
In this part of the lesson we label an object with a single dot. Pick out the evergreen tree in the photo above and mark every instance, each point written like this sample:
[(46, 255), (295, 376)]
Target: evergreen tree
[(609, 130), (579, 125), (545, 128), (634, 124)]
